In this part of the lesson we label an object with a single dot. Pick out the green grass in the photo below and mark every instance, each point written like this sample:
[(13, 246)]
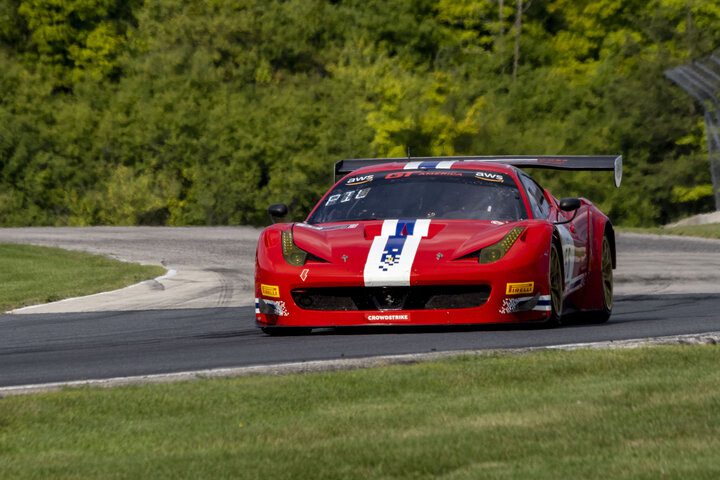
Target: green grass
[(31, 275), (711, 230), (643, 413)]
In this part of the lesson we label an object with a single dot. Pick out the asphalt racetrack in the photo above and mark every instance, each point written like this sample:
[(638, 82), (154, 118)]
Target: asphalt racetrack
[(665, 286)]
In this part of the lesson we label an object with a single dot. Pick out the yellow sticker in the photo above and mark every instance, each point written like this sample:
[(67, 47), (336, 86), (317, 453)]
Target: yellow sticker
[(519, 288), (270, 290)]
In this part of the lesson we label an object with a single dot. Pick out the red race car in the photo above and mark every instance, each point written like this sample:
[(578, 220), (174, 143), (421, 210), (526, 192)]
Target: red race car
[(438, 241)]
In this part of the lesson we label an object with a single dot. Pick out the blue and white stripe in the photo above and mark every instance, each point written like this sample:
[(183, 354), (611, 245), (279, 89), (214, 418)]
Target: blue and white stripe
[(523, 304), (574, 284), (270, 307), (543, 304), (392, 253), (429, 165)]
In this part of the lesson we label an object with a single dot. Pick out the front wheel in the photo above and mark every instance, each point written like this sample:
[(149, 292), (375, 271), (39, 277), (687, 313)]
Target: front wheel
[(606, 270)]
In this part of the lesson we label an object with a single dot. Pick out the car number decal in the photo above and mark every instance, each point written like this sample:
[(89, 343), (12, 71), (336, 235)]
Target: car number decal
[(568, 252), (392, 252)]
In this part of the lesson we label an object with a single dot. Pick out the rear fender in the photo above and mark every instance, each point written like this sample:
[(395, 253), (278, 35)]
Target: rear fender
[(590, 297)]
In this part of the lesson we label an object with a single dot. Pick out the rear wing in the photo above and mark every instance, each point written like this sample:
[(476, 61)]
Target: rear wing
[(557, 162)]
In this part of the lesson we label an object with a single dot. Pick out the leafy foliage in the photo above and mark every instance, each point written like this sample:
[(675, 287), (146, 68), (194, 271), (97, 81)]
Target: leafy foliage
[(167, 112)]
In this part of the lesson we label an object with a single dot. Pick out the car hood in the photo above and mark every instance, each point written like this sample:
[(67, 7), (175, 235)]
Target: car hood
[(350, 243)]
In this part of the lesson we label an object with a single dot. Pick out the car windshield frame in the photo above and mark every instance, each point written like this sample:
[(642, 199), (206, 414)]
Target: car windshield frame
[(392, 194)]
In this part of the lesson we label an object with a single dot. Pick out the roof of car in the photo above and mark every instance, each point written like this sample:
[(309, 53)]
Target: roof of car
[(435, 165), (554, 162)]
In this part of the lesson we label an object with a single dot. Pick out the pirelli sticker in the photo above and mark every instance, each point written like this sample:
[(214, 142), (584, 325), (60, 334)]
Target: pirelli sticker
[(519, 288), (270, 290)]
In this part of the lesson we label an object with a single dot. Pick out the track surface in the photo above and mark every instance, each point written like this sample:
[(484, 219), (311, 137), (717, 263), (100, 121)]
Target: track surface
[(40, 348)]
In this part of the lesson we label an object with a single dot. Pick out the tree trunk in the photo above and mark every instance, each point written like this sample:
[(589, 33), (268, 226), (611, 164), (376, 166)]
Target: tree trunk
[(518, 31), (501, 5)]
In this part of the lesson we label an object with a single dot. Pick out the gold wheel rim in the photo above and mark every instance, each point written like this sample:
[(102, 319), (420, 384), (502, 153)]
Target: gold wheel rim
[(556, 281), (607, 274)]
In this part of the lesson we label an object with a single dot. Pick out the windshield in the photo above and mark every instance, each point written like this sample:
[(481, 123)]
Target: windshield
[(447, 194)]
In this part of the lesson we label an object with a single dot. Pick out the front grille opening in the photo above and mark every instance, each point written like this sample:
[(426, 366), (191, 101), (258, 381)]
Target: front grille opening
[(430, 297)]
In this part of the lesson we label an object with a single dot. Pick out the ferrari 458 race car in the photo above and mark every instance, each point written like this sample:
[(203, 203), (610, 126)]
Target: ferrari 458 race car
[(438, 241)]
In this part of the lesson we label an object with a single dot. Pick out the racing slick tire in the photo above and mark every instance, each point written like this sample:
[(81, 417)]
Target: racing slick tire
[(606, 270), (556, 286), (285, 331)]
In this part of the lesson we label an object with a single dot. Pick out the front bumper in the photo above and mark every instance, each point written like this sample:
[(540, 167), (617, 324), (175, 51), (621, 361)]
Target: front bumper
[(517, 285)]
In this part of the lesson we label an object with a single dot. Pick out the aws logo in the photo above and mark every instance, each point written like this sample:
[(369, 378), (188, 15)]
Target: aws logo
[(359, 180), (489, 176)]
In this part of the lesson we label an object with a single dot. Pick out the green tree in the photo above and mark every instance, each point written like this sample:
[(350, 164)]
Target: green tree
[(76, 38)]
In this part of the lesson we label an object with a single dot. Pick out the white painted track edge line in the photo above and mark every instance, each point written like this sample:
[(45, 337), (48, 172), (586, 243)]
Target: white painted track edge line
[(351, 363), (169, 273), (669, 236)]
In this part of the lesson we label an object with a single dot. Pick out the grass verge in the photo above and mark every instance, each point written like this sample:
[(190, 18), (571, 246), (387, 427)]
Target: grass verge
[(711, 230), (642, 413), (31, 275)]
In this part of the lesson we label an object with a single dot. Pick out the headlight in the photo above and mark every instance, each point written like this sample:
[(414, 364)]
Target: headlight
[(495, 252), (293, 255)]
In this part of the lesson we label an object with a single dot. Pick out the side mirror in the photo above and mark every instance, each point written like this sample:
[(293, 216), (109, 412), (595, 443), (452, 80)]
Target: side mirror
[(277, 211), (569, 204)]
